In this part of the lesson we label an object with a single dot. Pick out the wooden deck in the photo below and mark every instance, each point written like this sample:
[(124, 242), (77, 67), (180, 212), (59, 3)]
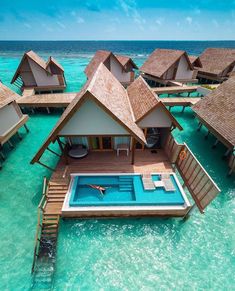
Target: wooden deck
[(101, 162), (180, 101), (46, 100), (174, 89)]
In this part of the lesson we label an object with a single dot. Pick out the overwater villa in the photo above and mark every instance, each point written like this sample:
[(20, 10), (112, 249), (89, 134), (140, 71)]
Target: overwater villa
[(166, 67), (195, 61), (34, 73), (122, 67), (11, 117), (217, 65), (216, 112), (120, 161)]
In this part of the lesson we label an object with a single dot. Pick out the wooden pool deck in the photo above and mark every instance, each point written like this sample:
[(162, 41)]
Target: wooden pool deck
[(101, 162)]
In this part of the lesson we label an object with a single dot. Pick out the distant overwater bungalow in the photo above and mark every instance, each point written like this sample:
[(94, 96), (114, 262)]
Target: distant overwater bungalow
[(11, 117), (216, 112), (217, 65), (122, 67), (166, 67), (34, 74)]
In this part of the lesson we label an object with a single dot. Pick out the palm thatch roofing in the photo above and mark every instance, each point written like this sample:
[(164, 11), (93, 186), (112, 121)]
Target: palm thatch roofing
[(101, 56), (113, 98), (216, 60), (217, 111), (195, 61), (7, 95), (39, 61), (161, 60)]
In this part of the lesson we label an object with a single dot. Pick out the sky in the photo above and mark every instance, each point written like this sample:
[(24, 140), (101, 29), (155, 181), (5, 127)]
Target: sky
[(117, 20)]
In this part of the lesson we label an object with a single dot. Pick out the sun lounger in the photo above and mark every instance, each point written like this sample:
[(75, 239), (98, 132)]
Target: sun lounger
[(148, 183)]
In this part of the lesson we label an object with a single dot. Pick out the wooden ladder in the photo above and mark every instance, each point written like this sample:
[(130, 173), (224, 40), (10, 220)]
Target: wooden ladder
[(49, 211)]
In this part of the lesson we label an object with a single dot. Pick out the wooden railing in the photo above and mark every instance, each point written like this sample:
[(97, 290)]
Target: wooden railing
[(41, 207), (200, 185)]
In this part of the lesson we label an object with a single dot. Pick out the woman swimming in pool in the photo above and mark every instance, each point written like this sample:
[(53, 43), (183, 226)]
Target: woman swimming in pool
[(99, 188)]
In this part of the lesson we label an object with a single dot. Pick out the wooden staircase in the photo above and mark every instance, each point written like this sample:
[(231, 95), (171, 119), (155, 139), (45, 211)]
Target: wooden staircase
[(49, 211)]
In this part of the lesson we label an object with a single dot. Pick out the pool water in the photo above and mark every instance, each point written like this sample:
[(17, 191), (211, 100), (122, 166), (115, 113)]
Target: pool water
[(121, 190)]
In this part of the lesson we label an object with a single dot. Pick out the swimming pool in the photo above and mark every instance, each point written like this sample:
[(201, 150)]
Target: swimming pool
[(122, 190)]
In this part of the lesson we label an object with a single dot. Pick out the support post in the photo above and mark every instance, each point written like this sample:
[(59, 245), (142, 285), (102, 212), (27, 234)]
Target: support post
[(226, 154), (20, 138), (26, 128), (10, 144), (207, 135), (2, 156), (215, 144), (48, 110), (183, 109), (133, 151), (199, 126)]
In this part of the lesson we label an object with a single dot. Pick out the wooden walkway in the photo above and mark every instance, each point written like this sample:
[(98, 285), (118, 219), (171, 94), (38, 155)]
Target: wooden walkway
[(180, 101), (174, 89), (46, 100)]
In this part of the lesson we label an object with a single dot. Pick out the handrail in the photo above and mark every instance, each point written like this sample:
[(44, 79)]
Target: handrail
[(41, 206)]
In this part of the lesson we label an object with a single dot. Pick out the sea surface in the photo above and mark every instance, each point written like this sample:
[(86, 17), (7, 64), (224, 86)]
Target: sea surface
[(113, 254)]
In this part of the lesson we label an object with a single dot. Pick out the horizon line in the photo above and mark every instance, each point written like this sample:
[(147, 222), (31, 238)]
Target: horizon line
[(2, 40)]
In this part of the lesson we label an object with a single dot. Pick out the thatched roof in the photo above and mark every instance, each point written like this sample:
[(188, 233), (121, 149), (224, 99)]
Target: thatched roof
[(109, 94), (54, 62), (7, 95), (124, 60), (216, 60), (102, 56), (195, 61), (143, 100), (217, 110), (39, 61), (161, 60)]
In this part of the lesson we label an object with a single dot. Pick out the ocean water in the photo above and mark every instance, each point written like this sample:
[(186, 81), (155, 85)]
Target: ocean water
[(113, 254)]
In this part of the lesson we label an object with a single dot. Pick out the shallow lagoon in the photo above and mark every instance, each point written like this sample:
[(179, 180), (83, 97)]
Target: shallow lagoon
[(126, 254)]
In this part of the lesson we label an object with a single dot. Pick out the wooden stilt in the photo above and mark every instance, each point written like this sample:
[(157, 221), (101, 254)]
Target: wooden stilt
[(226, 154), (60, 145), (199, 126), (169, 108), (183, 109), (215, 144), (2, 156), (48, 110), (26, 128), (207, 135), (10, 144)]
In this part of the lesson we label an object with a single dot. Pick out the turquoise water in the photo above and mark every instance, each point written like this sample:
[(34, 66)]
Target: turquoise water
[(121, 190), (115, 254)]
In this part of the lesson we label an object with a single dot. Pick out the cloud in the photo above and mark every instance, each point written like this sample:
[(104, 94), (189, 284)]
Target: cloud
[(27, 25), (61, 24), (80, 20), (215, 23), (159, 21), (130, 9), (48, 28), (189, 20)]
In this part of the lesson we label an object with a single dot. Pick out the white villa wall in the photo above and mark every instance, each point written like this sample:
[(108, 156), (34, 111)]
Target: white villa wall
[(156, 118), (90, 119), (183, 71), (8, 118), (41, 77), (116, 70)]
